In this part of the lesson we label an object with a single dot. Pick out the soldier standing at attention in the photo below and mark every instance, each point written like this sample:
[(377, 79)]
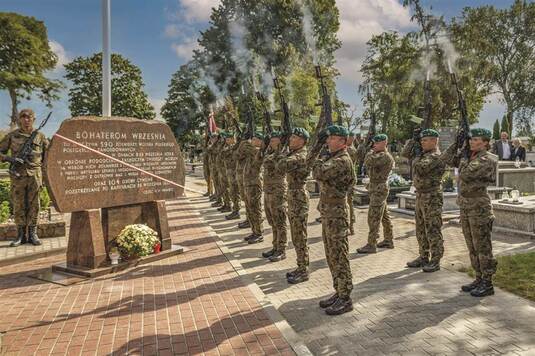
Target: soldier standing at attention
[(352, 151), (230, 165), (241, 158), (378, 163), (476, 173), (428, 167), (27, 177), (222, 152), (213, 169), (275, 199), (294, 165), (252, 180), (337, 176), (206, 169)]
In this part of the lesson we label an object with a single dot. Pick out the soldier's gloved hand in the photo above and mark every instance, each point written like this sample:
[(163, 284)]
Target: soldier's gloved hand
[(416, 134), (13, 160)]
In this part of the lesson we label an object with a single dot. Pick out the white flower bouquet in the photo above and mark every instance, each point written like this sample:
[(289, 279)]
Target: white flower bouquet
[(137, 240), (395, 180)]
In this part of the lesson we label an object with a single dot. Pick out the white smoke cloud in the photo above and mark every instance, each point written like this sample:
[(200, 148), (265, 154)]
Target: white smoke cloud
[(197, 10), (184, 49), (59, 50)]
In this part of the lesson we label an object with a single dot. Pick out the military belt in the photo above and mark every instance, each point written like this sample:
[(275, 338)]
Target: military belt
[(333, 200), (474, 194), (428, 190)]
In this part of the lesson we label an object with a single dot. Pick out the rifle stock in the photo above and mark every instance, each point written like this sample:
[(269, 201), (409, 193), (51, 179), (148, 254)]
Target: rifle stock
[(463, 135)]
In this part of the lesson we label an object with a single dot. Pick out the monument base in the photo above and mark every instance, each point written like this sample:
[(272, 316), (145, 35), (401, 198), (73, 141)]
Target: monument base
[(108, 268)]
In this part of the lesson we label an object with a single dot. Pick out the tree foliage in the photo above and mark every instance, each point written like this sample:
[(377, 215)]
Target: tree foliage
[(496, 130), (25, 56), (85, 94)]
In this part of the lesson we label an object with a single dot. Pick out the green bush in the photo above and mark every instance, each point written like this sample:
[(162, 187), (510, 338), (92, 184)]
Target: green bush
[(44, 199), (5, 212), (5, 188)]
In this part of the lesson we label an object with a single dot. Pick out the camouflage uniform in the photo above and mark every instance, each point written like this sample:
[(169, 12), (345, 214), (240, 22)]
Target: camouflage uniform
[(352, 151), (252, 181), (337, 176), (25, 188), (475, 175), (378, 166), (428, 170), (222, 172), (240, 157), (275, 200), (295, 167), (212, 152), (206, 171), (230, 167)]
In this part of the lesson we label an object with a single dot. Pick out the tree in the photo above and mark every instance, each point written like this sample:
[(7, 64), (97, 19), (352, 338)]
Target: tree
[(25, 56), (505, 126), (503, 42), (128, 97), (496, 130)]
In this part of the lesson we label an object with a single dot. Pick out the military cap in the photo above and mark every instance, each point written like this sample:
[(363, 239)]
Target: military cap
[(337, 130), (480, 132), (380, 138), (429, 133), (301, 132), (259, 135), (276, 134)]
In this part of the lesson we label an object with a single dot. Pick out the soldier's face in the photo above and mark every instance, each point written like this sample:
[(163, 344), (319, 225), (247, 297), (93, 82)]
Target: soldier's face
[(429, 143), (380, 146), (296, 142), (477, 144), (229, 141), (26, 122), (274, 142), (336, 143), (257, 142), (350, 140)]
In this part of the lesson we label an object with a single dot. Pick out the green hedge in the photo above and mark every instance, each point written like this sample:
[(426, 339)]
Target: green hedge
[(6, 208)]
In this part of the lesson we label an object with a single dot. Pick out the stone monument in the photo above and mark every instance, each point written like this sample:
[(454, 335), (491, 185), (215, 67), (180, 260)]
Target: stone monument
[(104, 195)]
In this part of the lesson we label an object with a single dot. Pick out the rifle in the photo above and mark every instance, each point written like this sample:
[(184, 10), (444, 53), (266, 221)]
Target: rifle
[(249, 133), (373, 121), (326, 115), (286, 124), (463, 135), (427, 110), (268, 129), (24, 154)]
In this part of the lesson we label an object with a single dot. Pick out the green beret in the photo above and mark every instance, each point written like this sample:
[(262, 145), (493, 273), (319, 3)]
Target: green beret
[(481, 133), (301, 132), (276, 134), (429, 133), (337, 130), (259, 135), (380, 138)]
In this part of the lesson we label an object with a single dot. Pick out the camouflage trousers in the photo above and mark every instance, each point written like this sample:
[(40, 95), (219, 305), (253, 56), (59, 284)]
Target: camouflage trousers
[(377, 215), (216, 182), (428, 216), (25, 199), (241, 186), (477, 230), (253, 205), (224, 186), (334, 234), (207, 175), (275, 207), (234, 190), (298, 215), (351, 208)]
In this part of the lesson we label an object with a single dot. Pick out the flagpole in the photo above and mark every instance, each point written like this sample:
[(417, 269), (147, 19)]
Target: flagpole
[(106, 58)]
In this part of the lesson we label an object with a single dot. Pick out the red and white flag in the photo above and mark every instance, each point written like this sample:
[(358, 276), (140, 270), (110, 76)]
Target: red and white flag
[(212, 127)]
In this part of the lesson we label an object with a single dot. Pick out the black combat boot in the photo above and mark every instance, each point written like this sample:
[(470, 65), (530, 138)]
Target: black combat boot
[(325, 303), (367, 249), (233, 216), (207, 194), (32, 235), (278, 256), (212, 198), (290, 274), (318, 220), (268, 254), (216, 204), (432, 266), (298, 277), (21, 237), (341, 306), (386, 244), (244, 225), (470, 287), (255, 239), (225, 209), (484, 289), (418, 262), (248, 237)]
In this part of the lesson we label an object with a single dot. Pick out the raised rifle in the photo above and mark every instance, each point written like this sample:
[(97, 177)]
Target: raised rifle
[(249, 130), (427, 111), (373, 121), (463, 135), (25, 153), (268, 129), (326, 115), (286, 123)]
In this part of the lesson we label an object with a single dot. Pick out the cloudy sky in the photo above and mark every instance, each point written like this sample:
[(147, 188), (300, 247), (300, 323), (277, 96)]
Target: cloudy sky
[(159, 35)]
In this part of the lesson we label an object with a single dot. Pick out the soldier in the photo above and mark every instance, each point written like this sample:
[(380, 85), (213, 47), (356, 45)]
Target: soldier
[(27, 179), (378, 163), (275, 199), (252, 181), (221, 152), (337, 176), (241, 158), (294, 165), (352, 151), (230, 165), (428, 169), (206, 169), (476, 173), (217, 198)]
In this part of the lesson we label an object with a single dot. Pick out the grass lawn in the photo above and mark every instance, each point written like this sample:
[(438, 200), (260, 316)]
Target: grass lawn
[(515, 274)]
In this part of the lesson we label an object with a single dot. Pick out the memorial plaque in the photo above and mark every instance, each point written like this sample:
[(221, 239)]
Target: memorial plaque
[(79, 179)]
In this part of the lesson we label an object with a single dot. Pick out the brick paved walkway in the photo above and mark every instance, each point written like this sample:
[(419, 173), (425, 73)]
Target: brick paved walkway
[(49, 245), (194, 303), (397, 310)]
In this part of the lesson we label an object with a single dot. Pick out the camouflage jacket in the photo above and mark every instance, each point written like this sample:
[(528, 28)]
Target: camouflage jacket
[(274, 180), (361, 151), (427, 169), (294, 165), (378, 165), (228, 158), (476, 173), (253, 165), (240, 155), (336, 175), (14, 141)]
